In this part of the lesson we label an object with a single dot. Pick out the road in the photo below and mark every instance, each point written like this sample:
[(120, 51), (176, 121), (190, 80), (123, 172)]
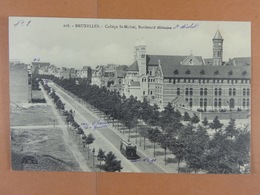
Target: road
[(105, 138)]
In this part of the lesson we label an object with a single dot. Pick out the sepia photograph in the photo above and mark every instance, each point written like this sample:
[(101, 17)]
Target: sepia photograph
[(119, 95)]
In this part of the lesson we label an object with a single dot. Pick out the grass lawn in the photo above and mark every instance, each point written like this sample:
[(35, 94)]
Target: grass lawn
[(46, 145), (34, 114)]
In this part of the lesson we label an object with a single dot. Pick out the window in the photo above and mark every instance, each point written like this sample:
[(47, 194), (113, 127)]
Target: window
[(178, 91), (244, 103), (191, 91), (215, 102), (248, 92), (234, 91), (205, 91), (143, 92), (247, 102), (176, 72), (205, 102), (201, 91), (244, 92), (187, 72), (216, 91), (191, 62), (219, 102), (202, 72), (220, 91), (151, 92), (216, 72), (201, 102), (190, 103), (230, 92), (187, 91)]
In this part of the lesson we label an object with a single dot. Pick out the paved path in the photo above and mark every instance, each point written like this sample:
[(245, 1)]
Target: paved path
[(71, 145)]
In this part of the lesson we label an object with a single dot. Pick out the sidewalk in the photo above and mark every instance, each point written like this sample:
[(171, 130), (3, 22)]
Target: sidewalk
[(69, 142)]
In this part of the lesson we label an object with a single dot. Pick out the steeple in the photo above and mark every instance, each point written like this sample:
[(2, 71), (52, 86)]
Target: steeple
[(217, 35), (140, 56), (217, 49)]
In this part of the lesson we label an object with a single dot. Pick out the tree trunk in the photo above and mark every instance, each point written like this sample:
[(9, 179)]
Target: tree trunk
[(178, 165), (154, 149), (135, 135), (144, 143), (140, 142), (165, 155), (88, 151)]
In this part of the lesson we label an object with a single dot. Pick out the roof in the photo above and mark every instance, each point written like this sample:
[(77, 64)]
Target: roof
[(40, 64), (217, 35), (133, 67), (169, 60), (121, 73), (241, 61), (134, 83), (173, 67), (205, 71)]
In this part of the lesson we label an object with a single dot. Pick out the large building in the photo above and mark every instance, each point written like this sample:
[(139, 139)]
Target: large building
[(20, 83), (190, 82)]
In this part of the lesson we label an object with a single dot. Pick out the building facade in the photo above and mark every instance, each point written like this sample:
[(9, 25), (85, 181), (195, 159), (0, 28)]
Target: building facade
[(20, 83), (191, 82)]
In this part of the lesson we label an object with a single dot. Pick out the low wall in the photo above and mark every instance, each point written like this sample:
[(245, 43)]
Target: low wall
[(212, 115)]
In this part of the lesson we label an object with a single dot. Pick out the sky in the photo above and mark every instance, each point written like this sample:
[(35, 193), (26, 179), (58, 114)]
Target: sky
[(101, 41)]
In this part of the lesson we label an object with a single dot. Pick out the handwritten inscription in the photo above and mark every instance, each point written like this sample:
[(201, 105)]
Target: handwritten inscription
[(22, 23), (147, 159), (95, 125)]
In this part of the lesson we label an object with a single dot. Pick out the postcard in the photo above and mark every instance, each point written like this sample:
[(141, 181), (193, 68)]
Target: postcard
[(146, 96)]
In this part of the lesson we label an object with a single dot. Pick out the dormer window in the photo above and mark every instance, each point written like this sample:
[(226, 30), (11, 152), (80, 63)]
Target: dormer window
[(187, 72), (202, 72), (244, 73), (230, 72), (191, 62), (216, 72), (176, 72)]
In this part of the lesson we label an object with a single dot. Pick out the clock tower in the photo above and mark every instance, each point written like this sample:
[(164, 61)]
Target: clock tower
[(217, 49)]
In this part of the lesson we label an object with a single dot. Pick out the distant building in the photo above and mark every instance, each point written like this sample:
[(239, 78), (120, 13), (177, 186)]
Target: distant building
[(20, 83), (36, 66)]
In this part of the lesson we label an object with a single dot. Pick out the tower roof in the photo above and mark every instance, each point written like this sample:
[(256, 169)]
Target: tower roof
[(217, 35)]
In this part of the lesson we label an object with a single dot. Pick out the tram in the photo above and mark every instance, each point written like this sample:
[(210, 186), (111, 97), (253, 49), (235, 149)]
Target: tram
[(128, 149)]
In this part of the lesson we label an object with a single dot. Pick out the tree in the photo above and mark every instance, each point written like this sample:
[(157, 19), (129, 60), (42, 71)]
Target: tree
[(144, 133), (195, 119), (153, 137), (205, 122), (197, 146), (89, 140), (186, 116), (101, 156), (242, 146), (111, 164), (230, 130), (215, 124)]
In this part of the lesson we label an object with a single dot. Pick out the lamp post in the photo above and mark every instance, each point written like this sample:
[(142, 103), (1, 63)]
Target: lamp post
[(93, 151)]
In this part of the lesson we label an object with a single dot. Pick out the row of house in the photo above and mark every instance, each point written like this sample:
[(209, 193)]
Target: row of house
[(45, 68)]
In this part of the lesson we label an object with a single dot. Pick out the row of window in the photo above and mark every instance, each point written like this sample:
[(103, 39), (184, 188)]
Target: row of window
[(149, 80), (217, 91), (218, 102), (229, 81)]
